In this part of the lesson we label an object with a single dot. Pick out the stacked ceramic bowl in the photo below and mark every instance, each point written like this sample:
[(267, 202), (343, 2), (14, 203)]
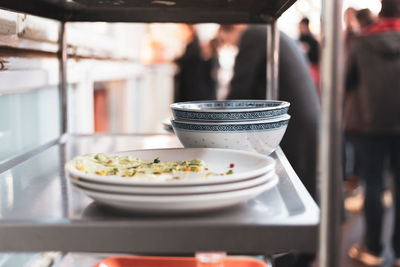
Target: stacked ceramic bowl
[(228, 178), (253, 125)]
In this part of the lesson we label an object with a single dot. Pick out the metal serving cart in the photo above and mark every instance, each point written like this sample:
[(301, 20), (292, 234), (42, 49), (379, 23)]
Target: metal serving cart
[(46, 213)]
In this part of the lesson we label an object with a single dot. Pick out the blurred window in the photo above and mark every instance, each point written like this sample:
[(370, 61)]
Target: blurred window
[(28, 120)]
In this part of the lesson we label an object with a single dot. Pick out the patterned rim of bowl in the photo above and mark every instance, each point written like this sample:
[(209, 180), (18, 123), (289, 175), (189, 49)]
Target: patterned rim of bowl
[(232, 127), (229, 110)]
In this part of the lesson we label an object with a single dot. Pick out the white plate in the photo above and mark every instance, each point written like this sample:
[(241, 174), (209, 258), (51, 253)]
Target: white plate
[(179, 203), (247, 165), (173, 190)]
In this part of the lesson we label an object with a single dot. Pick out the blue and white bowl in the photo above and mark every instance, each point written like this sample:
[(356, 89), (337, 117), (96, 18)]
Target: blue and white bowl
[(229, 110), (260, 136)]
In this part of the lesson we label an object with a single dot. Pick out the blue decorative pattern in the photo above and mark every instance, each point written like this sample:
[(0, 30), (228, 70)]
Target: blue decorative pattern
[(228, 116), (229, 127)]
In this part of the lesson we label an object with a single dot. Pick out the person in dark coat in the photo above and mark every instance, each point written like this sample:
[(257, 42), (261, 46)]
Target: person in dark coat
[(296, 87), (310, 47), (373, 79), (310, 44), (196, 79)]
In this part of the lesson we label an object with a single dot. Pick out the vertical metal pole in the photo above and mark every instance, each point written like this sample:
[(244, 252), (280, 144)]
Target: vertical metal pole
[(272, 60), (63, 89), (330, 144), (62, 60)]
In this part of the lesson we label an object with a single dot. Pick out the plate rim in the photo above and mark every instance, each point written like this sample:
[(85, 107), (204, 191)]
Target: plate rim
[(260, 180), (76, 174), (182, 198), (283, 104), (169, 184)]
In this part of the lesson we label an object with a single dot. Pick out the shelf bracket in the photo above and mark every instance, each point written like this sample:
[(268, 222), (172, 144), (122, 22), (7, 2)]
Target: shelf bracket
[(272, 60), (63, 88)]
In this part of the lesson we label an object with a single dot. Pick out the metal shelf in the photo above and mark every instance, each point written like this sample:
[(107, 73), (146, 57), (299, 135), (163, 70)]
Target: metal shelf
[(190, 11), (40, 210)]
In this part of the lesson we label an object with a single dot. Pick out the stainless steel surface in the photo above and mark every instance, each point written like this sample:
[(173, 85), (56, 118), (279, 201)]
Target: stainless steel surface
[(9, 163), (272, 60), (220, 11), (330, 146), (40, 210), (62, 58)]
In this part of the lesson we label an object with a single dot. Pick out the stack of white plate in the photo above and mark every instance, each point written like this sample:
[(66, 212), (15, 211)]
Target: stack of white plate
[(252, 175)]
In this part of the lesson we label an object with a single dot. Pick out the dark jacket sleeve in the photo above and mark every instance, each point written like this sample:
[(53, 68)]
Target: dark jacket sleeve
[(301, 137), (295, 86)]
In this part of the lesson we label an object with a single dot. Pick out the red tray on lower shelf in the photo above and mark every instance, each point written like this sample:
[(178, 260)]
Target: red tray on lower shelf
[(132, 261)]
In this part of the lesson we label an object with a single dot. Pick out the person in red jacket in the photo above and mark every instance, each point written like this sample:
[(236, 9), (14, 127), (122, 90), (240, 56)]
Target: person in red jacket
[(373, 79)]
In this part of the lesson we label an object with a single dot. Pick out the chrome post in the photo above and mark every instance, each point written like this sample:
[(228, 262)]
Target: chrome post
[(330, 143), (63, 89), (272, 60)]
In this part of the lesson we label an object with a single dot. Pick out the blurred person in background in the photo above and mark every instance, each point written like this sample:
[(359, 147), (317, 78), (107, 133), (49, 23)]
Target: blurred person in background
[(365, 18), (309, 44), (354, 196), (310, 47), (295, 86), (352, 27), (196, 75), (373, 78), (351, 154)]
